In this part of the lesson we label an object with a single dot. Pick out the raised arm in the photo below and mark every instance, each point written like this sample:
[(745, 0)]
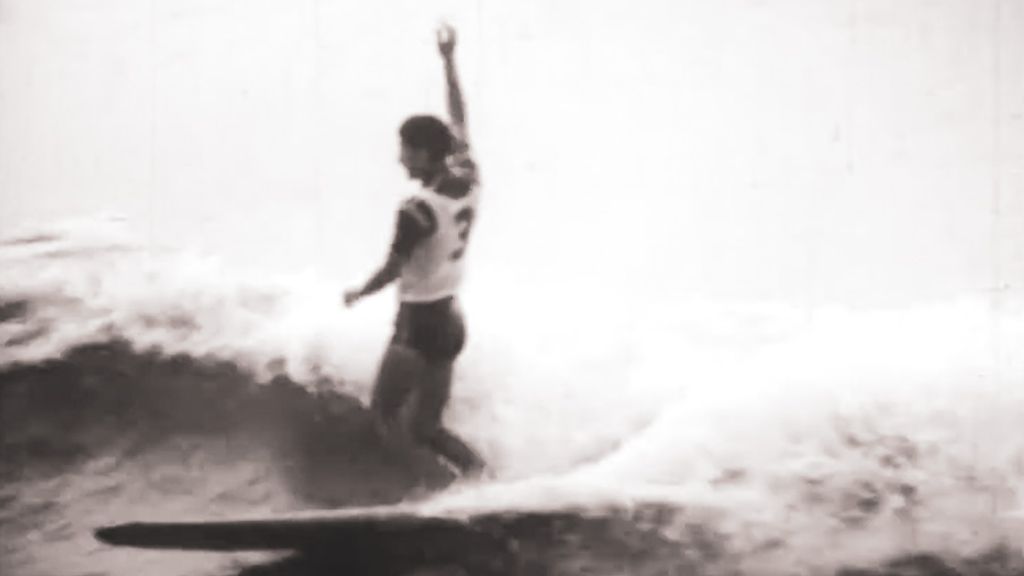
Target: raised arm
[(456, 107)]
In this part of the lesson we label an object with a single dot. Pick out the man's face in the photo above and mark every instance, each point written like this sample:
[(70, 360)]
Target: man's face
[(416, 161)]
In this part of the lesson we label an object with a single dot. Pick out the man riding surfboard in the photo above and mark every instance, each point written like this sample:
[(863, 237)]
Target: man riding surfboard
[(426, 258)]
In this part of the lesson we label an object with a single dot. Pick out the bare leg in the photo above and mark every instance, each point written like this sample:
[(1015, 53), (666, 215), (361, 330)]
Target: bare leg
[(398, 379), (434, 391)]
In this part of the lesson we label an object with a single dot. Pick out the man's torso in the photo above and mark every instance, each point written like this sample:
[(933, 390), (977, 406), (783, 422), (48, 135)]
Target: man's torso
[(434, 233)]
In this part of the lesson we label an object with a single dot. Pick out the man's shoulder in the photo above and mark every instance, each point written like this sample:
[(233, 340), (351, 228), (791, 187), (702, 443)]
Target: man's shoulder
[(416, 212)]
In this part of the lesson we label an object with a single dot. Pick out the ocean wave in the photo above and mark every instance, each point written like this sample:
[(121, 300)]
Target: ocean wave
[(107, 400), (139, 380)]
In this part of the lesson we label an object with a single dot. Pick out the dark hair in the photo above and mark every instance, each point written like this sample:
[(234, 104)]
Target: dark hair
[(428, 133)]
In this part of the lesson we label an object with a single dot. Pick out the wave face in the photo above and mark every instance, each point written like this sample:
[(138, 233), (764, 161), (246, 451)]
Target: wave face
[(696, 437)]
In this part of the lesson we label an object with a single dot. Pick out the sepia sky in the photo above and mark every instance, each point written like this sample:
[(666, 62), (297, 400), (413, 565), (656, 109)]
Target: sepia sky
[(808, 151)]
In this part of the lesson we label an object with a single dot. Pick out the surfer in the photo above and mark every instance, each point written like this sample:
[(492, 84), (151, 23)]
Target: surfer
[(426, 258)]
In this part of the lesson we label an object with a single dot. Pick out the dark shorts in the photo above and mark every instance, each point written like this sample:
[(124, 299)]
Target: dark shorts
[(434, 329)]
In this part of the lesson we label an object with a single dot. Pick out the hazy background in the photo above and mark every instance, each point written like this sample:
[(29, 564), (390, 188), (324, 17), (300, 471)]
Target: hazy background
[(852, 150), (754, 256)]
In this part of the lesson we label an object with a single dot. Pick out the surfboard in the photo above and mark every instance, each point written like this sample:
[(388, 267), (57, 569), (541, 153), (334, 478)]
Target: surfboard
[(309, 531), (500, 540), (365, 540)]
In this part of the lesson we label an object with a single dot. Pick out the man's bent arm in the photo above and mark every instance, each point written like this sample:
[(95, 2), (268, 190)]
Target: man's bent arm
[(415, 222), (387, 274)]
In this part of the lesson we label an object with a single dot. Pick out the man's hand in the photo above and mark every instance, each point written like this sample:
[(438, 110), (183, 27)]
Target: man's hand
[(352, 296), (446, 40)]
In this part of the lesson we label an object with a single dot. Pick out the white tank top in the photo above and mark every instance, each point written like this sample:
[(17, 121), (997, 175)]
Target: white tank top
[(434, 270)]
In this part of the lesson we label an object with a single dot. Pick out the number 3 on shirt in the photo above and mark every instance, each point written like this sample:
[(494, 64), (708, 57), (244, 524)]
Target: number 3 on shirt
[(464, 221)]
